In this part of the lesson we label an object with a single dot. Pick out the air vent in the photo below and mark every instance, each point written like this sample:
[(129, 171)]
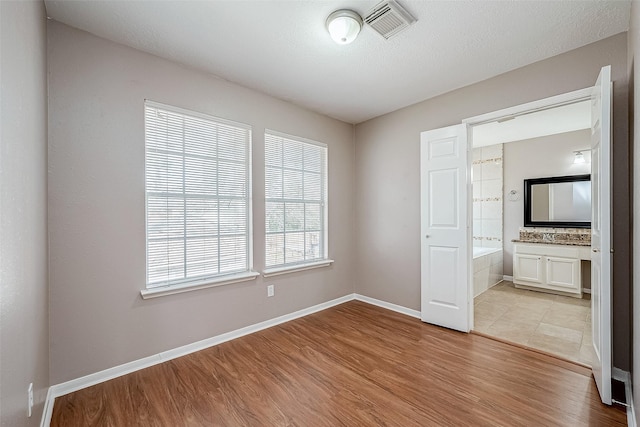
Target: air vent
[(389, 18)]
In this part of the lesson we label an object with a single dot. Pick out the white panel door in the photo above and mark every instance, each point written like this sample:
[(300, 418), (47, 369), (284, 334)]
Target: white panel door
[(445, 212), (601, 232)]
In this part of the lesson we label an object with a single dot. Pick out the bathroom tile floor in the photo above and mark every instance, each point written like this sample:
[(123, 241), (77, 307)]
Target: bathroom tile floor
[(553, 323)]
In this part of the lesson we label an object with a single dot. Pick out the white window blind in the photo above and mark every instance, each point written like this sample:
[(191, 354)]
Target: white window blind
[(197, 196), (296, 200)]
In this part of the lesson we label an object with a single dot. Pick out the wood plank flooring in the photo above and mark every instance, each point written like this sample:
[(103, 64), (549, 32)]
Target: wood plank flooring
[(351, 365)]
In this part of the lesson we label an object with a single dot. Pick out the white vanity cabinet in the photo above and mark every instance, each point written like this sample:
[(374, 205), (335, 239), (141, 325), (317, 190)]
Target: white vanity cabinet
[(554, 268)]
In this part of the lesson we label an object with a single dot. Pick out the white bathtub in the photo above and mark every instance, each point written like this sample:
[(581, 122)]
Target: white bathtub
[(487, 269)]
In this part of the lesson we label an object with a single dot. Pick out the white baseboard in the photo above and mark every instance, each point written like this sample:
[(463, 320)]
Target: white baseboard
[(47, 411), (111, 373), (625, 377), (388, 306), (117, 371)]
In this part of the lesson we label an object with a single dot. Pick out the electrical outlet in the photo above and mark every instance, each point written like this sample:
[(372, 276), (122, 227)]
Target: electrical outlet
[(30, 399), (270, 290)]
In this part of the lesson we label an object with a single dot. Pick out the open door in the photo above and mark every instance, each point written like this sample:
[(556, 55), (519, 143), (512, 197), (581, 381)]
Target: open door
[(445, 246), (601, 232)]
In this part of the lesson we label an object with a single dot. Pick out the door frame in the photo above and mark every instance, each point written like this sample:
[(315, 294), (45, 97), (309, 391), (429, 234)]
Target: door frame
[(511, 112)]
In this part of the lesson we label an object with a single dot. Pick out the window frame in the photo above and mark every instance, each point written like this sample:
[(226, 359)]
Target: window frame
[(173, 286), (323, 260)]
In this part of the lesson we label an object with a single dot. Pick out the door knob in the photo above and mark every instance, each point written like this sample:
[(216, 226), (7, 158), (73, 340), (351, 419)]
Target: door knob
[(596, 250), (427, 236)]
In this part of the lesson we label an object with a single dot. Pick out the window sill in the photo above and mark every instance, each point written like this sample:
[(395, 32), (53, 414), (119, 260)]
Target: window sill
[(294, 268), (194, 286)]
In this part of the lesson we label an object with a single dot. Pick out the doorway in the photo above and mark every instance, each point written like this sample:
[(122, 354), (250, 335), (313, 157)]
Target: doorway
[(446, 225), (534, 147)]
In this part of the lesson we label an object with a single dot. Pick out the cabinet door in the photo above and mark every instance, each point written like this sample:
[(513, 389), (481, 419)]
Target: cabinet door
[(564, 273), (528, 268)]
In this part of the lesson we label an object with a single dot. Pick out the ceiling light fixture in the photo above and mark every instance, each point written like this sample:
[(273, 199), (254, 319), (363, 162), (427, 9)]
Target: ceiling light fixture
[(579, 157), (344, 26)]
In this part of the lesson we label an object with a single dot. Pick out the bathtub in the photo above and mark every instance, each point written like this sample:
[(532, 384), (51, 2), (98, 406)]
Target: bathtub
[(487, 269)]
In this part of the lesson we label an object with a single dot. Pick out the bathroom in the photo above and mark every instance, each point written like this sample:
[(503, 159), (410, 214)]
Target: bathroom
[(551, 315)]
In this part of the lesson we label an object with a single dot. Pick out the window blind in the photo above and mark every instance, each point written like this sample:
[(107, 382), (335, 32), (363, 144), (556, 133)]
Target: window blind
[(197, 174), (295, 200)]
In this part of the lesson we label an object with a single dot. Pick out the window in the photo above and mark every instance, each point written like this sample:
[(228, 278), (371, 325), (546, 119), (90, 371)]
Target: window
[(296, 200), (197, 183)]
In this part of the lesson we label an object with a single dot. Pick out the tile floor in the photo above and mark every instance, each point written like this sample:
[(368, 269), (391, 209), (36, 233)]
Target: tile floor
[(552, 323)]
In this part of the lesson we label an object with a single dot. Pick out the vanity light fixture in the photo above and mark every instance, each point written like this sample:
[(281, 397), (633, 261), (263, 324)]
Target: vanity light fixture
[(344, 25), (579, 158)]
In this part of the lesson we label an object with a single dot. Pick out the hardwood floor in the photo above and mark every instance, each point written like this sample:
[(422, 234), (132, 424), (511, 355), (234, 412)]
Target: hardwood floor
[(351, 365)]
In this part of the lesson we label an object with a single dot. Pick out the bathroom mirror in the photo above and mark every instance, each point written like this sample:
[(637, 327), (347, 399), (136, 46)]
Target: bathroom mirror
[(562, 201)]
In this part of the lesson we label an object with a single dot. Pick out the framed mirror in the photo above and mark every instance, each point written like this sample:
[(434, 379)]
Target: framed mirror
[(561, 201)]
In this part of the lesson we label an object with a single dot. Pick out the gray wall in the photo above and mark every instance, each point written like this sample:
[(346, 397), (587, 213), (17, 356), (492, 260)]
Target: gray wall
[(24, 330), (634, 120), (388, 168), (537, 158), (97, 211)]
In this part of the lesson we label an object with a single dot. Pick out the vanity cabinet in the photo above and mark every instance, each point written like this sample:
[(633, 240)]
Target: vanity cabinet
[(554, 268)]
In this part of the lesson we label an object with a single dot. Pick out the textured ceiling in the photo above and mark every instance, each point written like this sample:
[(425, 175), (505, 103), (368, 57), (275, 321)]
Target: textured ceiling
[(282, 48)]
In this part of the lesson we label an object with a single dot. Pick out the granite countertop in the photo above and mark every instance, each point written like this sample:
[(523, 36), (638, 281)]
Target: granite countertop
[(555, 242)]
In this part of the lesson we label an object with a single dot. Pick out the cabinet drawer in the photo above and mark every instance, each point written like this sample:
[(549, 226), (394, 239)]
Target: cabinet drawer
[(548, 250)]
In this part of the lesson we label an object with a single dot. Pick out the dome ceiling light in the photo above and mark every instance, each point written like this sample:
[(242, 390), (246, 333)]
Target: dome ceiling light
[(344, 25)]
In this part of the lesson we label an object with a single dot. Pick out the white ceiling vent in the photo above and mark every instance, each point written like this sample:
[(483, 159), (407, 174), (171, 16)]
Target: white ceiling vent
[(389, 18)]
